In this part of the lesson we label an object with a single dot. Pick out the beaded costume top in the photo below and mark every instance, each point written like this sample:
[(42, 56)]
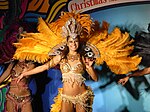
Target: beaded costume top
[(72, 74)]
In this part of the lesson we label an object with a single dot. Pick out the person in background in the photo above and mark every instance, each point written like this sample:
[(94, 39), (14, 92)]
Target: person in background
[(18, 97), (141, 48)]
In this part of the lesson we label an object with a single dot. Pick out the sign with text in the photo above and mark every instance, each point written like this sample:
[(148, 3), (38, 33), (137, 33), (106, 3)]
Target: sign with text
[(85, 5)]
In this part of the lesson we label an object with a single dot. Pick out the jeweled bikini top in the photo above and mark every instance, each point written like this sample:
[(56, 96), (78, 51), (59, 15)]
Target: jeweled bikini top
[(72, 74)]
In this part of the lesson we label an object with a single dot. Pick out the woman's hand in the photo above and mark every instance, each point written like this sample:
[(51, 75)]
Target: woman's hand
[(20, 77), (123, 80), (89, 67), (88, 61)]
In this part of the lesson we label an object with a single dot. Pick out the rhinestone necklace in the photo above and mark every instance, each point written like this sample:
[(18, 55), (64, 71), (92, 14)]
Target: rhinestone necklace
[(73, 57)]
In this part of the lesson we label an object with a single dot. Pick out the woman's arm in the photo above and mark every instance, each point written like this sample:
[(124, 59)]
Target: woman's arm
[(52, 63), (135, 74), (31, 71), (6, 72), (140, 72)]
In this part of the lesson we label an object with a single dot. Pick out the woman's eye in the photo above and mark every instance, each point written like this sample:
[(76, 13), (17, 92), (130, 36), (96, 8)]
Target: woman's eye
[(70, 42), (76, 41)]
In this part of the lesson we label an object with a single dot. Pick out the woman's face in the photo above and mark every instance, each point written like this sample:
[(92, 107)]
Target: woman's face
[(73, 44)]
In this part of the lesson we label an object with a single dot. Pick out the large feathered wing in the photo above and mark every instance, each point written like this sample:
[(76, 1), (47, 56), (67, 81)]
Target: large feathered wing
[(36, 46), (115, 49)]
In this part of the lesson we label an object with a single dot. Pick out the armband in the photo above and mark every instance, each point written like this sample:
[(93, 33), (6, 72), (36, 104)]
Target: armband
[(51, 64)]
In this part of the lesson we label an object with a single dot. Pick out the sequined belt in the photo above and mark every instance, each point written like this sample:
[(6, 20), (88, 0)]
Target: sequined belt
[(19, 99)]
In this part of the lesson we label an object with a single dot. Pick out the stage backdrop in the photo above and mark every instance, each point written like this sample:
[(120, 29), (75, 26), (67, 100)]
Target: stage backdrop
[(130, 15)]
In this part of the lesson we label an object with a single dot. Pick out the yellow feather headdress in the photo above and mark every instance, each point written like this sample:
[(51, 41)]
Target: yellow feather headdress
[(114, 48)]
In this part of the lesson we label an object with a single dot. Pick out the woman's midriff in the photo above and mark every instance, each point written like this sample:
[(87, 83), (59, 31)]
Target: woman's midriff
[(19, 89), (73, 89)]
